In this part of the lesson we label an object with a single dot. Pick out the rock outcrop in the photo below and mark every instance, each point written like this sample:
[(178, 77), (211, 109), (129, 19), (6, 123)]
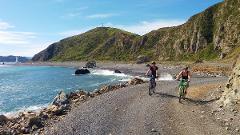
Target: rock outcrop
[(117, 71), (82, 71), (33, 122), (142, 59), (3, 120), (231, 95)]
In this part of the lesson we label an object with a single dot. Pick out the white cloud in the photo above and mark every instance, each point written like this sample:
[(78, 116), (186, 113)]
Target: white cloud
[(140, 28), (75, 12), (72, 14), (28, 49), (147, 26), (12, 37), (17, 42), (74, 32), (5, 25), (96, 16)]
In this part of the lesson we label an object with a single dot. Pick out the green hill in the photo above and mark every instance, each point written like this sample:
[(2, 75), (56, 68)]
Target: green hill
[(208, 35)]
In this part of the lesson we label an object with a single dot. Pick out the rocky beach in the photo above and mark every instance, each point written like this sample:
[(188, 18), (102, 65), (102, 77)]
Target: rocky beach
[(71, 108)]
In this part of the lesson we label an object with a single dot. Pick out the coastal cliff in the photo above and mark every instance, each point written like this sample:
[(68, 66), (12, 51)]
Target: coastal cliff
[(231, 95), (211, 34)]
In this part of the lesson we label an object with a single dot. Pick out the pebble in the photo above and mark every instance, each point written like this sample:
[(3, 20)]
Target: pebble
[(227, 124), (237, 129), (153, 130), (193, 111), (227, 128), (182, 123), (218, 118), (202, 112)]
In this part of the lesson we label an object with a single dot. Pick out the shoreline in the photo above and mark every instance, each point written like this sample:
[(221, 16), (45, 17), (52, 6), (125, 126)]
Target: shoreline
[(78, 97), (56, 110)]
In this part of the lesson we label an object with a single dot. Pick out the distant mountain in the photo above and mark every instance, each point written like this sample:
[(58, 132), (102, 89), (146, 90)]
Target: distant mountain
[(13, 59), (211, 34)]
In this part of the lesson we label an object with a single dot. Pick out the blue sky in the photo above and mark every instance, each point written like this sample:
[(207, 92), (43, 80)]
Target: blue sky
[(29, 26)]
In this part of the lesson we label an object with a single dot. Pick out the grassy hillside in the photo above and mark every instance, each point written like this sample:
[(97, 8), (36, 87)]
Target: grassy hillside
[(208, 35)]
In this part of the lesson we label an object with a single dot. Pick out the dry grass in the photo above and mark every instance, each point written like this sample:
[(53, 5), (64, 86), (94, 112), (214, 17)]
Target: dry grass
[(197, 92), (226, 70)]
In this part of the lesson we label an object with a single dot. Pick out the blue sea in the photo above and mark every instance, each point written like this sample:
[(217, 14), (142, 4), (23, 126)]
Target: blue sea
[(34, 87)]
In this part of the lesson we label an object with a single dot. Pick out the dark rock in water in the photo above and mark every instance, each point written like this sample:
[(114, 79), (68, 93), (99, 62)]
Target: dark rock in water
[(142, 59), (117, 71), (91, 64), (3, 119), (60, 99), (82, 71)]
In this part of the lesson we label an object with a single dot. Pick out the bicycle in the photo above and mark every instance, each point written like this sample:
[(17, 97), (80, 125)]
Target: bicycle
[(182, 89), (152, 85)]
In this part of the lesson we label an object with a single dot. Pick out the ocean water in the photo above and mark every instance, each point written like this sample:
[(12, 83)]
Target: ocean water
[(34, 87)]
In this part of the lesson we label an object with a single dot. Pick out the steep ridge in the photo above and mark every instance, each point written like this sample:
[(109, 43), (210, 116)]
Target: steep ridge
[(211, 34)]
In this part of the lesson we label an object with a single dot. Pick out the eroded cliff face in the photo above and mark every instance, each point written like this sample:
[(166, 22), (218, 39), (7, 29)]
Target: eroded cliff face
[(231, 95), (214, 31), (227, 32), (211, 34)]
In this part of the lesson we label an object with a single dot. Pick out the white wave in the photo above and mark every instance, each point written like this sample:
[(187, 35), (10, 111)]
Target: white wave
[(125, 80), (165, 77), (108, 73), (162, 77), (34, 108)]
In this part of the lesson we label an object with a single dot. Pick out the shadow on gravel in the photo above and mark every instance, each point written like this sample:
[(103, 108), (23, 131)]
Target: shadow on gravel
[(200, 102), (194, 101)]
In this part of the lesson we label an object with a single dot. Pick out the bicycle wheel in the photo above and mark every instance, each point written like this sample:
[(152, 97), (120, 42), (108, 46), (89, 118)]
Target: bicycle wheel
[(184, 93), (181, 90)]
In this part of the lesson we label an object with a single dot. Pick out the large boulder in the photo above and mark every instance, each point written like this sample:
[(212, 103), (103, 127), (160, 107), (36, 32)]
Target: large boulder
[(57, 110), (231, 95), (117, 71), (60, 99), (142, 59), (91, 64), (82, 71), (3, 120)]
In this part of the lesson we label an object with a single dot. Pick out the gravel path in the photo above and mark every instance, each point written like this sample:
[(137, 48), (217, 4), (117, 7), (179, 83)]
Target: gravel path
[(131, 111)]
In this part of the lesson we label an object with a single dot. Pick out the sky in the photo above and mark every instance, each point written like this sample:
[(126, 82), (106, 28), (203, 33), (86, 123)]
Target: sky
[(29, 26)]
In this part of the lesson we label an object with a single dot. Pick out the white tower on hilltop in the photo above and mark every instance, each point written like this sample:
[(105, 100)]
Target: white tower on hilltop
[(16, 59)]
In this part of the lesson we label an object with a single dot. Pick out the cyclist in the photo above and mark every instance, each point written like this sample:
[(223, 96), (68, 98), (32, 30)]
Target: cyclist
[(186, 75), (152, 72)]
